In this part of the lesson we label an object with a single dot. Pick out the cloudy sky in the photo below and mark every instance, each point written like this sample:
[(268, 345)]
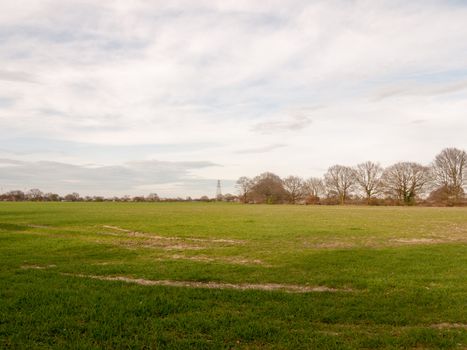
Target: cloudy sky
[(133, 97)]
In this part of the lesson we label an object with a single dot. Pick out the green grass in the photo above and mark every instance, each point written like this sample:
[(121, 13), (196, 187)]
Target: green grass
[(406, 268)]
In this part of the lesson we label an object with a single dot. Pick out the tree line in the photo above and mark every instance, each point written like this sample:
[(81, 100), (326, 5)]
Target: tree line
[(442, 182), (36, 195)]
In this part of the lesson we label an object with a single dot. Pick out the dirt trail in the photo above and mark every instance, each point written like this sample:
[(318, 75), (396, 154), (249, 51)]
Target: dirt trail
[(418, 240), (133, 239), (149, 235), (449, 326), (38, 226), (37, 267), (289, 288), (235, 260), (376, 242)]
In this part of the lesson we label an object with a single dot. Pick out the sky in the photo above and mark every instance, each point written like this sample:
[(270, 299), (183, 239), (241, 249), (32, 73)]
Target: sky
[(137, 97)]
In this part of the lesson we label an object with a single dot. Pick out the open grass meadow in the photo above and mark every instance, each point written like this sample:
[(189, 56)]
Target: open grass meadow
[(223, 276)]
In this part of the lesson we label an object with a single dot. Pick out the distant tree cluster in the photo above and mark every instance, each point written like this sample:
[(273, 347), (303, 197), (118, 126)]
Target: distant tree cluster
[(36, 195), (405, 183)]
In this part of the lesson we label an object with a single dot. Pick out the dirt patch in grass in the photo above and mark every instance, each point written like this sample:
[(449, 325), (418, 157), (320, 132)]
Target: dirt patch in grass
[(289, 288), (193, 239), (201, 258), (245, 261), (37, 226), (105, 263), (418, 240), (332, 245), (376, 242), (429, 240), (228, 260), (157, 243), (149, 240), (116, 228), (37, 267), (215, 240), (128, 233)]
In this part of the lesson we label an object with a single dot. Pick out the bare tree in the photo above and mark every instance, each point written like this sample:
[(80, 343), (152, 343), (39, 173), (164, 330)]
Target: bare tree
[(34, 194), (314, 188), (450, 172), (368, 178), (293, 185), (244, 185), (340, 180), (153, 197), (406, 181)]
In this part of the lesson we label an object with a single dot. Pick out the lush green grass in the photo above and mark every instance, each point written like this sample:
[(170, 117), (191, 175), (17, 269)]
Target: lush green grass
[(406, 267)]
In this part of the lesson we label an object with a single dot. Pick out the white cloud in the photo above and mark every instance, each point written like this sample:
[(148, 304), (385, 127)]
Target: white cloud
[(260, 149), (409, 88), (128, 178), (293, 123)]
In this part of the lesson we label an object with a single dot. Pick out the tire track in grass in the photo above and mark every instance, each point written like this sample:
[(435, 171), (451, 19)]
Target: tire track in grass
[(289, 288), (193, 239)]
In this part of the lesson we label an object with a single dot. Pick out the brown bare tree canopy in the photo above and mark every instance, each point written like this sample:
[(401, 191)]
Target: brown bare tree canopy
[(450, 172), (368, 179), (244, 185), (314, 188), (404, 183), (340, 180), (406, 180), (294, 186)]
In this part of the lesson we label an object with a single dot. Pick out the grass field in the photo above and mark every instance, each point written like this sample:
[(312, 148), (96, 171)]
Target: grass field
[(215, 275)]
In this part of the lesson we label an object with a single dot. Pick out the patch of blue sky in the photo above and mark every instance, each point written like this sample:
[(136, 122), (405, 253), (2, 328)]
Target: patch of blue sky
[(65, 35), (263, 19), (455, 3), (43, 33), (6, 102), (424, 76), (428, 79), (253, 19), (264, 96)]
